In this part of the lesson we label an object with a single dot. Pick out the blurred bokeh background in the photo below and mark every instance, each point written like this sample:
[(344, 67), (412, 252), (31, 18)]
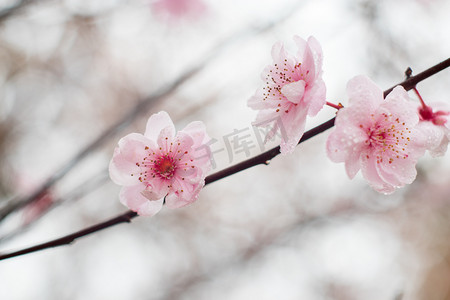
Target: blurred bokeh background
[(78, 73)]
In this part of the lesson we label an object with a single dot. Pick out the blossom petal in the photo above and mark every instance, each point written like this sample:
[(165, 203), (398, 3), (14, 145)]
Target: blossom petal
[(316, 97), (201, 151), (356, 115), (305, 55), (441, 149), (197, 131), (156, 189), (278, 52), (294, 91), (158, 122), (165, 138), (257, 102), (132, 197), (346, 141), (184, 193), (362, 90), (434, 137), (352, 165), (293, 128), (370, 173), (385, 171), (399, 172), (317, 53), (398, 103), (130, 150)]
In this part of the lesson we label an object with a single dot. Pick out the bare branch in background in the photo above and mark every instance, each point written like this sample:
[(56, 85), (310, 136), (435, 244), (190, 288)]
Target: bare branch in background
[(15, 8), (88, 186), (251, 253), (68, 239)]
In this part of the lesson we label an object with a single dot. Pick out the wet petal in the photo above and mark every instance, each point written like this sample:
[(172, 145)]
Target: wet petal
[(315, 97), (361, 89), (370, 173), (156, 189), (294, 91)]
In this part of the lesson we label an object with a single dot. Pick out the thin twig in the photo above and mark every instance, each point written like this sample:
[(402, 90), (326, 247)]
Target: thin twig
[(89, 185), (263, 158), (68, 239), (412, 81), (16, 7)]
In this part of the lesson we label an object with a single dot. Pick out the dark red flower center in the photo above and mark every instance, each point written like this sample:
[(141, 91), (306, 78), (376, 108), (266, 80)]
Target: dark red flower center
[(165, 166)]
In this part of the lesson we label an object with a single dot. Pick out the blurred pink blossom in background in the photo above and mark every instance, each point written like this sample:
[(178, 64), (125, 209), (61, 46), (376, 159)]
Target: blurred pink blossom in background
[(178, 9)]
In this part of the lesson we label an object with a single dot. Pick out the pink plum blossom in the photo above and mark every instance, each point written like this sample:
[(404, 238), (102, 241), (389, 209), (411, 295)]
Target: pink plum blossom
[(379, 137), (435, 124), (161, 164), (293, 89)]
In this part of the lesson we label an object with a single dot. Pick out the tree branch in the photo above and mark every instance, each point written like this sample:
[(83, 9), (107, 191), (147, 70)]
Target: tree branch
[(412, 81), (263, 158), (78, 192), (69, 239)]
